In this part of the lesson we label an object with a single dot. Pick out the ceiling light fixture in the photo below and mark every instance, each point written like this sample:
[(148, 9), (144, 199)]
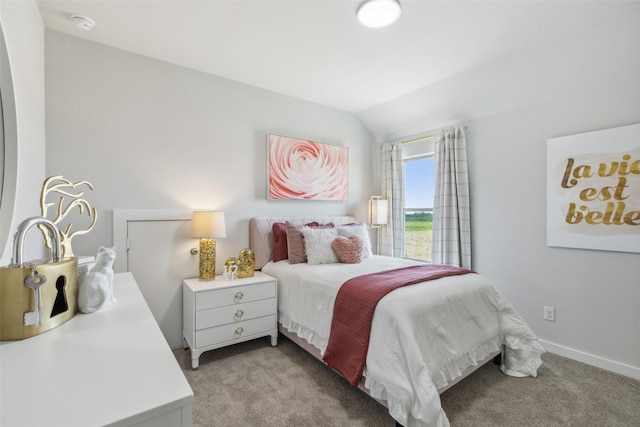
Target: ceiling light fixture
[(378, 13), (82, 22)]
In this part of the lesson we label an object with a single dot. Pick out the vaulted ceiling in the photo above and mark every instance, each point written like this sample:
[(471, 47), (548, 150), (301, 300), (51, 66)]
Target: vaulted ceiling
[(317, 51)]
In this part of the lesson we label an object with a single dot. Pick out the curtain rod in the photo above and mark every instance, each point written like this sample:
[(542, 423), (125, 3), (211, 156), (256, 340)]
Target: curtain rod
[(422, 138)]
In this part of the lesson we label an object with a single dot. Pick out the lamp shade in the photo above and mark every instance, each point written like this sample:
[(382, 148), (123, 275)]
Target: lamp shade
[(379, 209), (208, 224)]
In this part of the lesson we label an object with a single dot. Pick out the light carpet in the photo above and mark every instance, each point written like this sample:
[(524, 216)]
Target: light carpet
[(253, 384)]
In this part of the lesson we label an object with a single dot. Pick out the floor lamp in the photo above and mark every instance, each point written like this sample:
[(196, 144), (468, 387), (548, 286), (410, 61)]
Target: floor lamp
[(378, 212)]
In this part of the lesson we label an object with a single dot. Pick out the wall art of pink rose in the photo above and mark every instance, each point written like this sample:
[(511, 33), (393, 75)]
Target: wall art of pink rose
[(307, 170)]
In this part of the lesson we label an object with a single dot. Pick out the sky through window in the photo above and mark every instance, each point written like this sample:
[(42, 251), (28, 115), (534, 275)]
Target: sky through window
[(419, 183)]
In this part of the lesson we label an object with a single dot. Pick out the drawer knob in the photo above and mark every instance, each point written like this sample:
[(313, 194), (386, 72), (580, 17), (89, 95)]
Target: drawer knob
[(239, 295), (239, 331), (239, 314)]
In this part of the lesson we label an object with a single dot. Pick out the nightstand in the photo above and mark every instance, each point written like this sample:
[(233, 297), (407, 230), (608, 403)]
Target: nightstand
[(224, 312)]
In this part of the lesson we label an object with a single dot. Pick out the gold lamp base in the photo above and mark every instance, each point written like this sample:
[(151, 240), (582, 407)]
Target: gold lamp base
[(207, 260)]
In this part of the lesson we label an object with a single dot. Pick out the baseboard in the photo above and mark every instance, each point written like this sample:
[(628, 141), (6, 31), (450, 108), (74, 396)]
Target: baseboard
[(593, 360)]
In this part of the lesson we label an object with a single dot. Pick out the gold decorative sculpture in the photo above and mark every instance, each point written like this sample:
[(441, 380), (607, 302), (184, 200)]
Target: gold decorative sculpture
[(246, 263), (66, 189)]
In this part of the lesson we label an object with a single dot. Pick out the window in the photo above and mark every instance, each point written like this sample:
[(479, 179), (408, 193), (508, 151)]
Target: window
[(419, 183)]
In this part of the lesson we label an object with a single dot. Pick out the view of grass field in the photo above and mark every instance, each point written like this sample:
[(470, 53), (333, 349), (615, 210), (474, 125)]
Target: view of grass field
[(418, 228)]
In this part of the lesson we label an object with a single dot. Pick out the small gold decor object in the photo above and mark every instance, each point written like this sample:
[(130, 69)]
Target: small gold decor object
[(246, 263), (70, 198)]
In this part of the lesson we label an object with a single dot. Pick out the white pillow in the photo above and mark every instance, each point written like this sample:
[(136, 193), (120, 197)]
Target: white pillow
[(359, 230), (317, 245)]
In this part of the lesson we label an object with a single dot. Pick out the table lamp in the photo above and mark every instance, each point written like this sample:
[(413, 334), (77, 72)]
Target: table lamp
[(207, 225)]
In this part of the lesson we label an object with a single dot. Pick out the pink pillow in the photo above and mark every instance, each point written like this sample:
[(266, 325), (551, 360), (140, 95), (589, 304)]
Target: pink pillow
[(280, 247), (348, 249), (360, 230), (280, 250), (295, 241)]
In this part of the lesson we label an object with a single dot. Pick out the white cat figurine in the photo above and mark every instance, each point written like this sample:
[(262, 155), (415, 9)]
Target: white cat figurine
[(96, 290)]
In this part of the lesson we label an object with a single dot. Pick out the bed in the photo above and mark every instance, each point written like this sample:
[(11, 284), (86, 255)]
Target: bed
[(423, 338)]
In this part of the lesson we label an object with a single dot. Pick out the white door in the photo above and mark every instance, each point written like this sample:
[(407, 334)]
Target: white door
[(159, 258)]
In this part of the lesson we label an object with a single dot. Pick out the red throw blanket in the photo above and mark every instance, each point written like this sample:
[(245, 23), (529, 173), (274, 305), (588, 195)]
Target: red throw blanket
[(353, 311)]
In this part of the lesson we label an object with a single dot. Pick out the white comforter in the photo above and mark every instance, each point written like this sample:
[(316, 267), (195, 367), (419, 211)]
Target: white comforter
[(422, 336)]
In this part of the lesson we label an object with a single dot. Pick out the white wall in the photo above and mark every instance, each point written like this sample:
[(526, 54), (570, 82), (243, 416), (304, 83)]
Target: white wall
[(152, 135), (585, 82), (595, 293), (24, 37)]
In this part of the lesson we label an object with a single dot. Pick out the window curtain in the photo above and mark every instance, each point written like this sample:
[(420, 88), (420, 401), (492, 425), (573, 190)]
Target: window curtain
[(392, 235), (451, 213)]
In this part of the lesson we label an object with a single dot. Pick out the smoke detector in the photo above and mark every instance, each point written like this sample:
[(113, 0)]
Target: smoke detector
[(82, 22)]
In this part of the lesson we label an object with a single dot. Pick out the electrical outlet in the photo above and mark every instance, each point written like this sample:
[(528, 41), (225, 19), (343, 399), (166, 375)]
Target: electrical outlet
[(549, 314)]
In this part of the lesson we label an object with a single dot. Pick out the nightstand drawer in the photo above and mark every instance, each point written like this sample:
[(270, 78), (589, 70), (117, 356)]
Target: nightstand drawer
[(235, 295), (235, 313), (234, 331)]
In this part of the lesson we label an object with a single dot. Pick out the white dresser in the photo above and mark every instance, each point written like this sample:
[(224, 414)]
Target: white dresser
[(112, 367), (222, 312)]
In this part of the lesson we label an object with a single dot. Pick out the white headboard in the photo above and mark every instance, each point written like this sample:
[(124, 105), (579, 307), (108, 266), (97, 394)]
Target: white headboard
[(261, 236)]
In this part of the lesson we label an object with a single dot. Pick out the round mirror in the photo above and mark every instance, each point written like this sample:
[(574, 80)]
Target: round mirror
[(8, 147)]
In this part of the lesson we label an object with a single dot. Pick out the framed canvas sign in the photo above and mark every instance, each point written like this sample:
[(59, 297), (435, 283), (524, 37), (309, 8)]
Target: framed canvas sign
[(307, 170), (593, 190)]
